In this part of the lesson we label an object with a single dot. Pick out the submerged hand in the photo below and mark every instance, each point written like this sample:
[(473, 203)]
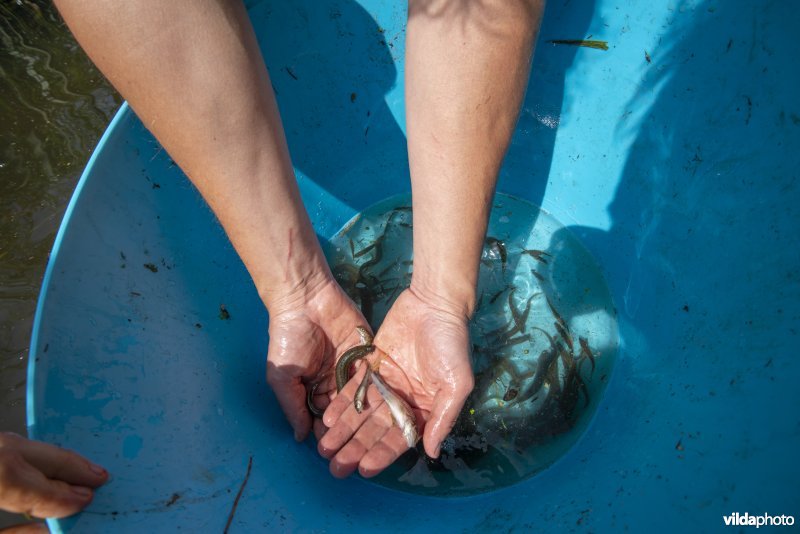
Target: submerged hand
[(43, 480), (428, 364), (304, 339)]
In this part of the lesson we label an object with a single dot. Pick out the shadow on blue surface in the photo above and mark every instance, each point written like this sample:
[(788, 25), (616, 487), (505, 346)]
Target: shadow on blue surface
[(703, 255), (679, 174)]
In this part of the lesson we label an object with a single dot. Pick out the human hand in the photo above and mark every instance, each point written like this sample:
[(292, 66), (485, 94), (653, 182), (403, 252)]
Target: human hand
[(43, 480), (428, 364), (304, 338)]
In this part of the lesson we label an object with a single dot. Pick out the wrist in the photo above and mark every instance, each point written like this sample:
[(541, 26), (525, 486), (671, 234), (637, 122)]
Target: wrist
[(452, 292), (298, 283)]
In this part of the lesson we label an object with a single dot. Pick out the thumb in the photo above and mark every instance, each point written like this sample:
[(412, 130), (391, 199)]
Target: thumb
[(291, 395), (444, 412)]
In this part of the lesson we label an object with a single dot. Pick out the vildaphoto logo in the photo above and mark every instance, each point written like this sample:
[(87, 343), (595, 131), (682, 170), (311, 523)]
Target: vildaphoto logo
[(765, 520)]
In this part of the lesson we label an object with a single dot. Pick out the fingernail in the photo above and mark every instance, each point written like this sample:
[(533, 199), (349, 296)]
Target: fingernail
[(297, 437), (84, 493), (96, 469)]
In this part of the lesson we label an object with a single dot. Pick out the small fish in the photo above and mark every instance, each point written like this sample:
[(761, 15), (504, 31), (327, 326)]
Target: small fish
[(401, 412), (537, 255), (586, 352), (316, 412), (599, 45), (564, 333), (497, 246), (543, 365), (364, 335), (520, 320), (361, 392), (342, 369), (573, 386), (511, 394), (363, 250), (496, 296)]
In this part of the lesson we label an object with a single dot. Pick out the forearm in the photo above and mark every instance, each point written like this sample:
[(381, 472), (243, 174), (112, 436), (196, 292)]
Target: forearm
[(467, 66), (192, 71)]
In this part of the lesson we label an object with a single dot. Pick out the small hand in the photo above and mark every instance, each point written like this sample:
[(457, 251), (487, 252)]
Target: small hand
[(304, 340), (43, 480), (428, 364)]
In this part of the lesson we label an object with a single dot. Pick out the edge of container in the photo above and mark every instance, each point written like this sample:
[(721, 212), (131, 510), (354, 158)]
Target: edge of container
[(121, 114), (54, 525)]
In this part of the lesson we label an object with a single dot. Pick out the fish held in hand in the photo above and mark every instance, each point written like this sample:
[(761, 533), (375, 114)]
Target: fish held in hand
[(401, 412)]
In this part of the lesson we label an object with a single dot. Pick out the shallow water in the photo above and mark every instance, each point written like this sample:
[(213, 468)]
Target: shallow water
[(54, 107), (544, 337)]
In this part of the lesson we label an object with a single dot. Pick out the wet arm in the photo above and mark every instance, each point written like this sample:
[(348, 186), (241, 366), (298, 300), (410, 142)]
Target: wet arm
[(466, 72)]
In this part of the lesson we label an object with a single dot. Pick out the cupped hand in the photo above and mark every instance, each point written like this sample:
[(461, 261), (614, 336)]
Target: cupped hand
[(425, 359), (43, 480), (305, 336)]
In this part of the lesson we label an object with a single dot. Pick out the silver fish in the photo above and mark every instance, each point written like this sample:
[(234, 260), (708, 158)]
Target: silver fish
[(361, 392), (401, 412)]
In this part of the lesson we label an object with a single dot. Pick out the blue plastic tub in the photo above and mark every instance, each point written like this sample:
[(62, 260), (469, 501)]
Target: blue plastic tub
[(673, 156)]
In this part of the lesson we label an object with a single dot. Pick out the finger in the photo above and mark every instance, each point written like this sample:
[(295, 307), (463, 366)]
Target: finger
[(27, 528), (319, 429), (383, 454), (444, 412), (344, 399), (350, 421), (26, 490), (350, 455), (339, 405), (61, 464), (291, 395)]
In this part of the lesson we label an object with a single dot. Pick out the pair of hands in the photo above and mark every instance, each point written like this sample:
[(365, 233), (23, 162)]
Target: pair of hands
[(425, 359)]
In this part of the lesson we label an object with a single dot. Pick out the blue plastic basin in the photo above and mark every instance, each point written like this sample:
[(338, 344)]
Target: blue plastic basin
[(673, 156)]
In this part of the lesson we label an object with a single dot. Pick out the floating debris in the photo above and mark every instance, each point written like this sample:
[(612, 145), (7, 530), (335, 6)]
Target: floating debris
[(238, 495)]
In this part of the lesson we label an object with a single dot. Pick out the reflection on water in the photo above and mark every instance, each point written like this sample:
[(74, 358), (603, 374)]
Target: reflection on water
[(53, 108), (544, 337)]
